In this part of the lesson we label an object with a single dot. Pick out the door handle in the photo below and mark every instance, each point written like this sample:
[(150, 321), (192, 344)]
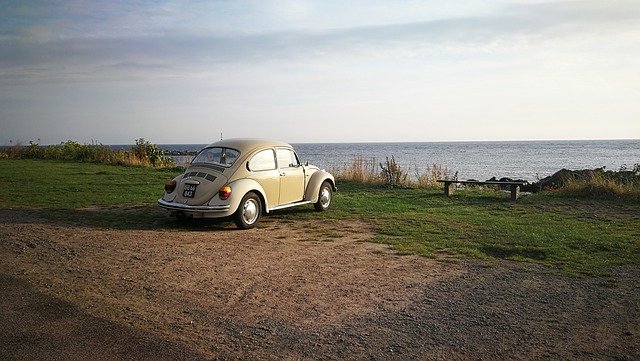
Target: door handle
[(283, 174)]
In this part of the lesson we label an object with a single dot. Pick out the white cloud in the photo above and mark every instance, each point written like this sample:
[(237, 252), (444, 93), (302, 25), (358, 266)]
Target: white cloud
[(518, 26)]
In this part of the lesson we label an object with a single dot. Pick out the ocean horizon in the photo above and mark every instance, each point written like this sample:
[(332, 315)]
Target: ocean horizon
[(480, 160)]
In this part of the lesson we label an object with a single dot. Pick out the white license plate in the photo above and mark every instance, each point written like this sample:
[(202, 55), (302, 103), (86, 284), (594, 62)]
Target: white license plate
[(189, 190)]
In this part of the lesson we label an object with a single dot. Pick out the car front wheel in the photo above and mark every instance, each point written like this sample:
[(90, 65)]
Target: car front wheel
[(248, 212), (325, 196)]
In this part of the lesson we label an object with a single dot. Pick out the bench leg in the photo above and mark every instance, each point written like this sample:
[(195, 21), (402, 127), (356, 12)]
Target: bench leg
[(515, 192), (449, 188)]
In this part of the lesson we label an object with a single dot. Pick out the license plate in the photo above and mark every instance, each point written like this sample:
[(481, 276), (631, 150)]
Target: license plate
[(189, 190)]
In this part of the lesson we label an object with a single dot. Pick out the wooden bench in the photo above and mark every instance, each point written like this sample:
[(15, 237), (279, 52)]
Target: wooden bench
[(449, 186)]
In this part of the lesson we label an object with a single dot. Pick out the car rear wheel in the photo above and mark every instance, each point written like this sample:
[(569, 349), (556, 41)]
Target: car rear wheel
[(248, 212), (325, 196)]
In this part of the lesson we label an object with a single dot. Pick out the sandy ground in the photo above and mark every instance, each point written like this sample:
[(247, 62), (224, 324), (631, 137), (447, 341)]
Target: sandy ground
[(289, 290)]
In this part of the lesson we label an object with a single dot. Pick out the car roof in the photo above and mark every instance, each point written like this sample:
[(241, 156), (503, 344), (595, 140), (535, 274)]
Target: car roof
[(248, 145)]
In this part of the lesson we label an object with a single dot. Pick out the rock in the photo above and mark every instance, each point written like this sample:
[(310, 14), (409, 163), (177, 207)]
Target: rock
[(562, 177)]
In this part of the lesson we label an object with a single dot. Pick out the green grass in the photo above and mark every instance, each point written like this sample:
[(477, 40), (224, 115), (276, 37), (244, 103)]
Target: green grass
[(575, 236), (55, 184), (578, 236)]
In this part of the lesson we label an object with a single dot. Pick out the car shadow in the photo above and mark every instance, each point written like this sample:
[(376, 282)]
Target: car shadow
[(141, 217)]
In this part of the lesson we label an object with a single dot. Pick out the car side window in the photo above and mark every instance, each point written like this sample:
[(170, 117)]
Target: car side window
[(286, 158), (263, 160)]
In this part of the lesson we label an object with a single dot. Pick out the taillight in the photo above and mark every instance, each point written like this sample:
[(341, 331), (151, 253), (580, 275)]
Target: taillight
[(170, 186), (224, 192)]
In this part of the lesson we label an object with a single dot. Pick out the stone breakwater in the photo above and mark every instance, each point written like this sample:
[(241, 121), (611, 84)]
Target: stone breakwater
[(564, 176)]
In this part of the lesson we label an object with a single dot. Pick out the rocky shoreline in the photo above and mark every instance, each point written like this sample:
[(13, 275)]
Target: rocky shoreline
[(562, 177)]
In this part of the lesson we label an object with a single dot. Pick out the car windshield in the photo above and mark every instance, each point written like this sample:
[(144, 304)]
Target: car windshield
[(217, 155)]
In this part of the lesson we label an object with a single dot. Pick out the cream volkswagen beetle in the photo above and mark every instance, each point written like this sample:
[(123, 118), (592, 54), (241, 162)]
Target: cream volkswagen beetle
[(245, 178)]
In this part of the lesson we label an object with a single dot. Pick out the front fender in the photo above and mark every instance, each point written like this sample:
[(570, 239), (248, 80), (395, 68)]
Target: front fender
[(238, 189), (313, 187)]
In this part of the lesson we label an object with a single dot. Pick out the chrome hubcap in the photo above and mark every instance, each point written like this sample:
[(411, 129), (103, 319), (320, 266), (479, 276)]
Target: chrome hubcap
[(325, 197), (250, 211)]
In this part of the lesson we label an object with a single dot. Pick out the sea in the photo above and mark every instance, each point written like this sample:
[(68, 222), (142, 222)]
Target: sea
[(481, 160)]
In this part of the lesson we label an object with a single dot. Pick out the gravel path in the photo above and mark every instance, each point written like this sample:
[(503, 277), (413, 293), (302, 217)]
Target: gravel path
[(289, 290)]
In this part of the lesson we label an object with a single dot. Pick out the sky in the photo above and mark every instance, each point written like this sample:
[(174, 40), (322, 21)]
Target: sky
[(176, 72)]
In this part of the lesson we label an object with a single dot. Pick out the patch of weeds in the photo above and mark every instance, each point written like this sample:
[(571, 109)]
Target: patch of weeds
[(333, 234), (514, 252), (609, 283), (488, 264), (307, 239)]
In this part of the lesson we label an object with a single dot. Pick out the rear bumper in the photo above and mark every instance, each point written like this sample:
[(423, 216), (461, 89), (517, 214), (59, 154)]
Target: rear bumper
[(187, 208)]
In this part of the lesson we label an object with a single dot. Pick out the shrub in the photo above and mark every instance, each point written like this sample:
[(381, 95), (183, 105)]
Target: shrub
[(148, 153), (360, 170), (368, 171), (71, 150), (392, 175), (604, 185), (15, 150), (142, 154), (33, 150), (429, 179)]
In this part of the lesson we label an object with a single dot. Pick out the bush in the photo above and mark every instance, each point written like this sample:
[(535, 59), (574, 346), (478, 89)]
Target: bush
[(33, 150), (429, 179), (392, 175), (368, 171), (148, 153), (360, 170), (602, 184), (142, 153)]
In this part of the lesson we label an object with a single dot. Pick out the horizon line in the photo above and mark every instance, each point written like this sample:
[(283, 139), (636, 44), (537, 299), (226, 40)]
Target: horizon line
[(19, 142)]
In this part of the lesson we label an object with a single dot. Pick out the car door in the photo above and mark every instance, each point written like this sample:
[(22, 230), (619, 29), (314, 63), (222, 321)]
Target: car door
[(264, 171), (291, 176)]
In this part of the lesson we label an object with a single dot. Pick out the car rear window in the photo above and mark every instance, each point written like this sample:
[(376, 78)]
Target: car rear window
[(217, 156)]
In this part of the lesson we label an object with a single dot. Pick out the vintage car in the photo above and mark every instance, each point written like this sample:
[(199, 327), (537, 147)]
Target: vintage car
[(243, 179)]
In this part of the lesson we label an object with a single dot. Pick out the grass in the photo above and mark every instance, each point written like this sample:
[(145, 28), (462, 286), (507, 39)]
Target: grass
[(578, 236), (55, 184), (390, 174), (599, 185), (574, 235)]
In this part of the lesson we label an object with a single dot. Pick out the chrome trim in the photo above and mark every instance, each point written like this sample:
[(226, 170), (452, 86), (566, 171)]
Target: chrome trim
[(185, 207), (288, 205)]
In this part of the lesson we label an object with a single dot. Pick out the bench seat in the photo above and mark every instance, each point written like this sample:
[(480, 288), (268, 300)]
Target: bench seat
[(449, 186)]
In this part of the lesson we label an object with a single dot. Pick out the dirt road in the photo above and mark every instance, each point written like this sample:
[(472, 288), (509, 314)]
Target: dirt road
[(289, 290)]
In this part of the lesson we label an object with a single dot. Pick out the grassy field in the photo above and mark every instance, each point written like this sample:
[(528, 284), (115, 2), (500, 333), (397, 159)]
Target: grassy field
[(575, 236)]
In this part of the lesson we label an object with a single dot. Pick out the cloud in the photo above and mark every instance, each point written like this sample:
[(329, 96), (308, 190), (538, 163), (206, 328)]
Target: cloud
[(36, 54)]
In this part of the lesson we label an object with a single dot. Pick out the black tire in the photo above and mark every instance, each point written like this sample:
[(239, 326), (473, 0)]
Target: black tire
[(325, 196), (249, 211)]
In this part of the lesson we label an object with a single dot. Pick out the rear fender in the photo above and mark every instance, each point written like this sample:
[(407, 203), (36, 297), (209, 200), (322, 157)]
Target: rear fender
[(313, 187), (238, 189)]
